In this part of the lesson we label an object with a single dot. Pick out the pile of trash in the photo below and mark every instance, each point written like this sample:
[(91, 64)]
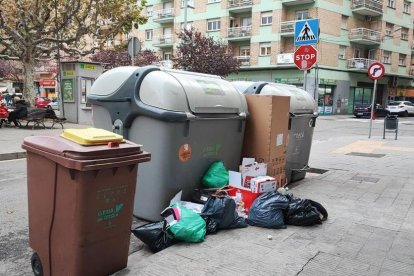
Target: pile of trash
[(215, 209)]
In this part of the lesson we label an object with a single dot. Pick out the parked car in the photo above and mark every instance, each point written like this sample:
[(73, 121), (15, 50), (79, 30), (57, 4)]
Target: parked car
[(365, 111), (54, 104), (402, 108), (42, 102)]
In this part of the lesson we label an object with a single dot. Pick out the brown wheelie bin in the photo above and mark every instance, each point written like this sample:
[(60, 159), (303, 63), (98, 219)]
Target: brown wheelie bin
[(80, 201)]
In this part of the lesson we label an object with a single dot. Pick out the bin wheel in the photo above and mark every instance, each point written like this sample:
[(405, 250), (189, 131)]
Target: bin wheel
[(36, 265), (320, 209)]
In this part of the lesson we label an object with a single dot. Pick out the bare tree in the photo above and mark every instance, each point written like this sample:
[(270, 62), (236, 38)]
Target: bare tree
[(204, 54), (111, 58), (34, 29), (11, 70)]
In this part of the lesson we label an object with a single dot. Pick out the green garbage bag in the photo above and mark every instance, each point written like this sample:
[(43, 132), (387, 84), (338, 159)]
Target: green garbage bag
[(216, 176), (184, 224)]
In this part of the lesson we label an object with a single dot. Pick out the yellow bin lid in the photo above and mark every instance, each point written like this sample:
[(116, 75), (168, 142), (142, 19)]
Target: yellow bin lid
[(91, 136)]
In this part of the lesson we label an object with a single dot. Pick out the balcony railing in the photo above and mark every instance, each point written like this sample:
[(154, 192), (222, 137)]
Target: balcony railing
[(411, 70), (163, 14), (296, 2), (366, 36), (244, 60), (239, 31), (360, 63), (287, 28), (367, 7), (239, 3), (163, 40)]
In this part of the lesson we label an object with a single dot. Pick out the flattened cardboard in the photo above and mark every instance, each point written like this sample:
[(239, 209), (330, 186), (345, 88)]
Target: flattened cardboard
[(266, 135)]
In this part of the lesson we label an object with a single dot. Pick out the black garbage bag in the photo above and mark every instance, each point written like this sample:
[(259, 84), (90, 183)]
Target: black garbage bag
[(222, 209), (153, 235), (320, 209), (302, 213), (267, 211), (211, 225)]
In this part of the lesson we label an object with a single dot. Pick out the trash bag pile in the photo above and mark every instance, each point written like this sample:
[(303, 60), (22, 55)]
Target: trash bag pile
[(274, 210)]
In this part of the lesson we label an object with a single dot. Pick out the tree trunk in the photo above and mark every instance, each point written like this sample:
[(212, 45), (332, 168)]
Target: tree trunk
[(29, 89)]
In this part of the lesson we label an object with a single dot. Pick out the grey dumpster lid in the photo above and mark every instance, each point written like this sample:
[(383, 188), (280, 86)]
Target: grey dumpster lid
[(109, 82), (190, 92), (301, 102)]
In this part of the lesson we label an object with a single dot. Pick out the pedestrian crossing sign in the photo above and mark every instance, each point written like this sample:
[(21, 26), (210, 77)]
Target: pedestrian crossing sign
[(306, 32)]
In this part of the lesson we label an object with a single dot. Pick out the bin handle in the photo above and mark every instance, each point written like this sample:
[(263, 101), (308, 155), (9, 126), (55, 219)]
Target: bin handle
[(304, 169)]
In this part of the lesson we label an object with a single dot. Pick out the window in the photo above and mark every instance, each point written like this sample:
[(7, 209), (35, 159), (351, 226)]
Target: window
[(149, 11), (266, 18), (265, 49), (190, 3), (407, 7), (213, 25), (167, 55), (391, 4), (404, 33), (301, 15), (245, 51), (148, 35), (341, 54), (344, 22), (86, 85), (389, 29), (213, 1), (386, 57), (401, 60)]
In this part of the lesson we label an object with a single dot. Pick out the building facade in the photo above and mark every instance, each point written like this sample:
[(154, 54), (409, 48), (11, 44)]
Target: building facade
[(352, 35)]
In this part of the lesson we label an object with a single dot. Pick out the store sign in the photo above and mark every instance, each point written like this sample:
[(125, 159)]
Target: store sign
[(327, 81), (87, 66), (67, 89), (68, 73), (285, 58), (47, 83), (288, 81)]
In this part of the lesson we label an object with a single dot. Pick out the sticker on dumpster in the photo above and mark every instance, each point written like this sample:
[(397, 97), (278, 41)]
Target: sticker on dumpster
[(211, 88), (211, 150), (184, 153), (110, 213)]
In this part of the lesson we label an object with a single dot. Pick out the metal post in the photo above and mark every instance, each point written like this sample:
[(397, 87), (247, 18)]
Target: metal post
[(305, 74), (133, 51), (185, 14), (372, 108)]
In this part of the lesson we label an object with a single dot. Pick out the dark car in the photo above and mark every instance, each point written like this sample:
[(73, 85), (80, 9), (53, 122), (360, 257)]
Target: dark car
[(365, 111)]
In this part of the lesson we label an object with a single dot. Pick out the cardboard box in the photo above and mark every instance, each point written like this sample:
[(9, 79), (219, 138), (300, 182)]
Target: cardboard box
[(266, 135), (263, 184), (251, 171)]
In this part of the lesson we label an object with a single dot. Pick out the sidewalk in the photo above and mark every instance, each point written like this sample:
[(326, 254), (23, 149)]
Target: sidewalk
[(367, 189), (370, 229)]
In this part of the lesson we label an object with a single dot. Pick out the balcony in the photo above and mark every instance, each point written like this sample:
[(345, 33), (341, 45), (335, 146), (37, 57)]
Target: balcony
[(296, 2), (367, 7), (360, 63), (285, 59), (287, 28), (163, 41), (163, 16), (244, 60), (240, 6), (365, 36), (239, 33)]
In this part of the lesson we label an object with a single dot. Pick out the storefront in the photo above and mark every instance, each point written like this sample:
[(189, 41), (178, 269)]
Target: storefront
[(47, 88)]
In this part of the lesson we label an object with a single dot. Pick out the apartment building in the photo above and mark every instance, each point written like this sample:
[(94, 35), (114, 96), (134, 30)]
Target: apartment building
[(352, 35)]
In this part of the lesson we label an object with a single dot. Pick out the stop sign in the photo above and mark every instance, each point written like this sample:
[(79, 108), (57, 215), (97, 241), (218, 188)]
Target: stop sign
[(305, 57)]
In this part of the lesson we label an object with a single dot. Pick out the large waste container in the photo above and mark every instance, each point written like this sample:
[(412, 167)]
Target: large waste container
[(186, 120), (80, 201), (301, 122)]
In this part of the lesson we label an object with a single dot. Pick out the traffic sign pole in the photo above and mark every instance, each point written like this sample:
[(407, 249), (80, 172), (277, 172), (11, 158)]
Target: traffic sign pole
[(372, 108), (375, 72)]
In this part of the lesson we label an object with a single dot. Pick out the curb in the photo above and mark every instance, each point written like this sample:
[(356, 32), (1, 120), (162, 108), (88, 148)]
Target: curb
[(12, 156)]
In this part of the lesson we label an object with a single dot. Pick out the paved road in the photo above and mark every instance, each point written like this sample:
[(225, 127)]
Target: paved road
[(367, 189)]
